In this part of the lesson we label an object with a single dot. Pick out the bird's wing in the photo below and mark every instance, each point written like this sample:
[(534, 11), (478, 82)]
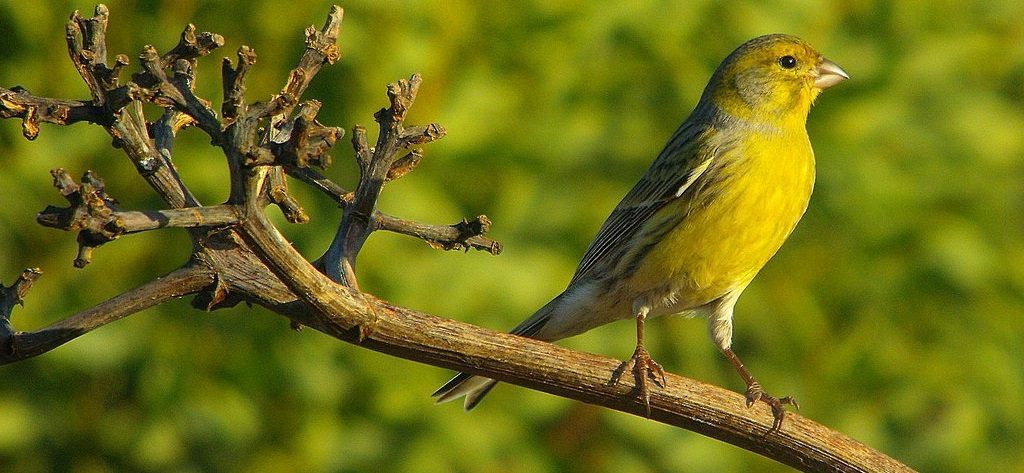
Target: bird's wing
[(678, 166)]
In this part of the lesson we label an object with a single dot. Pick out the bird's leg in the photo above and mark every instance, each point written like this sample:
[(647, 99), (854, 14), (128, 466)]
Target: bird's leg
[(643, 365), (756, 393)]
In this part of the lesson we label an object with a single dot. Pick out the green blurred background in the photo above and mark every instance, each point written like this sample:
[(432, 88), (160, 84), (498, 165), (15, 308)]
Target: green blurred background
[(894, 313)]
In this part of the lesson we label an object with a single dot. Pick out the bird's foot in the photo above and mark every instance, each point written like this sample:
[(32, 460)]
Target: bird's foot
[(756, 393), (643, 368)]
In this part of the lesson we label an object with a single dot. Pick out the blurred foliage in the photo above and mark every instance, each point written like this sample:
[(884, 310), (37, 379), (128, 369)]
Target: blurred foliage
[(894, 313)]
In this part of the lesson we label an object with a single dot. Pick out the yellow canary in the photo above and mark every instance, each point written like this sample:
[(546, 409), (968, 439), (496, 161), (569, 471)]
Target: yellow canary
[(715, 205)]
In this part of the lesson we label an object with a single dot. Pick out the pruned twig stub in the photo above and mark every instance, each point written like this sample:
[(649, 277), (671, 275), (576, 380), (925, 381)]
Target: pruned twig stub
[(299, 142), (92, 213), (238, 255), (9, 297), (192, 46)]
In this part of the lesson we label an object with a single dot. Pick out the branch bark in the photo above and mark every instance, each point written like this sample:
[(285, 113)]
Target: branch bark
[(238, 255), (18, 346), (709, 410)]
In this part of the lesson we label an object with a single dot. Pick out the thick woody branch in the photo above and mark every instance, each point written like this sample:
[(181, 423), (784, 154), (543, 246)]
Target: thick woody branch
[(369, 322), (702, 408)]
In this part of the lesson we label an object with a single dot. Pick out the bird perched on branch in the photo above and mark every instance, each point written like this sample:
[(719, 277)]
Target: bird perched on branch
[(712, 209)]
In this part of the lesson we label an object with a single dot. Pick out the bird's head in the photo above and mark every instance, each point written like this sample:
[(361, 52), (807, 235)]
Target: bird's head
[(772, 79)]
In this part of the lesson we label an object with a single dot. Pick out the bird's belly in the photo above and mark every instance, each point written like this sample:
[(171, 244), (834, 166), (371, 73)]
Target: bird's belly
[(727, 236)]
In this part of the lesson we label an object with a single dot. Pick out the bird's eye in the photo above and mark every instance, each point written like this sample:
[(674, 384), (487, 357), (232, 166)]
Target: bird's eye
[(787, 62)]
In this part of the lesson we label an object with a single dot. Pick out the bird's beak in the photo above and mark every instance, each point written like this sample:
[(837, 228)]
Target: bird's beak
[(829, 74)]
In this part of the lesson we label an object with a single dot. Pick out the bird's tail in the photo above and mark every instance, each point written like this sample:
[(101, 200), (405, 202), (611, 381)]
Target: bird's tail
[(476, 387), (465, 384)]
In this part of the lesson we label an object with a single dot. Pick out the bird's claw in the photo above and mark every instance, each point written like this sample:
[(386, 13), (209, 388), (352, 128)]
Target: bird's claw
[(756, 393), (643, 367)]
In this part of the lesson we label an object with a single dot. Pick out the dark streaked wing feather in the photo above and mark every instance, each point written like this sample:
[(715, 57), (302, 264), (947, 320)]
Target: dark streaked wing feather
[(451, 384), (679, 164)]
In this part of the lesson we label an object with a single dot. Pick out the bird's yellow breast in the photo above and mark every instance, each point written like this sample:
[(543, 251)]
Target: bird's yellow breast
[(733, 224)]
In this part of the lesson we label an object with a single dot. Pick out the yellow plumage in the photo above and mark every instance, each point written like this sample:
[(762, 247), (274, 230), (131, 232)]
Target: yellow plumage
[(712, 209), (727, 239)]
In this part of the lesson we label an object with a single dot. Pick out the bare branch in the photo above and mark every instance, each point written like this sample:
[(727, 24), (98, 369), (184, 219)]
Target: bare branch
[(33, 110), (92, 213), (279, 196), (234, 83), (341, 196), (321, 48), (86, 40), (295, 272), (465, 235), (135, 221), (362, 148), (340, 312), (375, 167), (179, 283), (702, 408), (176, 93), (95, 216)]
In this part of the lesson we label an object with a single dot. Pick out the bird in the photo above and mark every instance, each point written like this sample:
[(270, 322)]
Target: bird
[(714, 206)]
